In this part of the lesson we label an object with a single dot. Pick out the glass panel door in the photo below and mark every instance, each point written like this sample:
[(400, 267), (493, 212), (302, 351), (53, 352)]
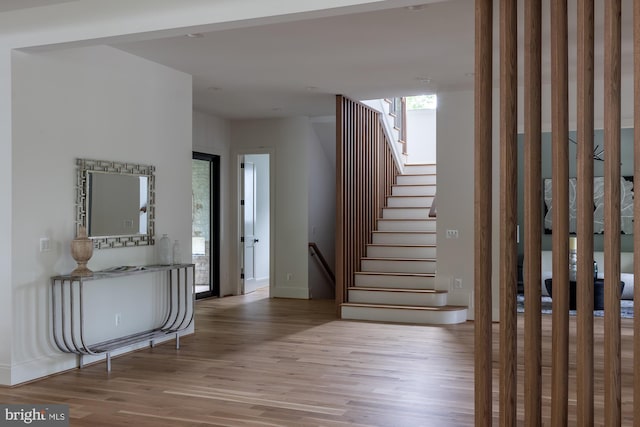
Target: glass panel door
[(206, 223)]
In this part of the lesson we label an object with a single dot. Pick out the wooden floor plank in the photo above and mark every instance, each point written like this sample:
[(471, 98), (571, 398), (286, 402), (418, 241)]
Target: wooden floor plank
[(255, 361)]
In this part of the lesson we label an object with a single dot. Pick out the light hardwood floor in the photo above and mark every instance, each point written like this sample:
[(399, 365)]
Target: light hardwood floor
[(260, 362)]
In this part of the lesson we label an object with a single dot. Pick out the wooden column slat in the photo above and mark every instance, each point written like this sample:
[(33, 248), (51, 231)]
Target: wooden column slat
[(508, 211), (560, 201), (482, 210), (532, 212), (612, 80), (340, 185), (636, 207), (585, 273)]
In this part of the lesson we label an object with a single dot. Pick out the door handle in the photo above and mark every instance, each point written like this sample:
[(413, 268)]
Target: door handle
[(256, 240)]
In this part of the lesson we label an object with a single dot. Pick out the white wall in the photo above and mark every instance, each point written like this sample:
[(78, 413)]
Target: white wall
[(212, 135), (261, 162), (97, 103), (287, 140), (421, 136), (6, 219), (322, 210), (455, 195)]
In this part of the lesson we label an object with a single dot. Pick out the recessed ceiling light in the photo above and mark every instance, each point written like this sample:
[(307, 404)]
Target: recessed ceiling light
[(469, 74), (416, 7), (311, 88), (424, 80), (195, 35)]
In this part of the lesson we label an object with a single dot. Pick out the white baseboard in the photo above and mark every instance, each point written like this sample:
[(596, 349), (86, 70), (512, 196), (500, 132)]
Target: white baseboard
[(290, 292), (5, 374)]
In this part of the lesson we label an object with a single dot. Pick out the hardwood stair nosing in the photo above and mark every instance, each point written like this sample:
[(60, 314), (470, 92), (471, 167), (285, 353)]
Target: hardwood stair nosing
[(397, 259), (414, 185), (407, 219), (406, 307), (400, 290), (400, 245), (391, 274), (405, 232)]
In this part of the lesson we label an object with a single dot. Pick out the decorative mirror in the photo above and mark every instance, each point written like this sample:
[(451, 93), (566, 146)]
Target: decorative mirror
[(115, 202)]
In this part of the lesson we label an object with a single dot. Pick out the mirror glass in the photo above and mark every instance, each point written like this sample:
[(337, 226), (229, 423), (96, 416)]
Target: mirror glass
[(115, 202)]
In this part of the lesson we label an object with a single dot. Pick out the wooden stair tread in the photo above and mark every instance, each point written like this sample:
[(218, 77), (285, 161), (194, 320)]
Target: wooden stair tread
[(405, 232), (391, 274), (406, 307), (400, 245), (400, 290), (419, 174), (386, 258), (406, 207), (406, 219), (420, 164), (414, 185), (404, 195)]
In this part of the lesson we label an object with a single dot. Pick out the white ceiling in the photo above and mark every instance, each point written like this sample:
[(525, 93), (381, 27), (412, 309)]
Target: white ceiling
[(9, 5), (296, 68)]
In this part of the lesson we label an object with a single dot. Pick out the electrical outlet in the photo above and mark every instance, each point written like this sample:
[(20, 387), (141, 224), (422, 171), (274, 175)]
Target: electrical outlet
[(289, 277), (457, 283), (452, 234), (45, 244), (118, 319)]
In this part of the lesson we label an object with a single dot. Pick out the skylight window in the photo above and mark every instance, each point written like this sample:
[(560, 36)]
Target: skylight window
[(422, 102)]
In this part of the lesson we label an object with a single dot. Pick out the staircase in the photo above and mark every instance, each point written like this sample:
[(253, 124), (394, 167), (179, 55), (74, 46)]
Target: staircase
[(397, 278)]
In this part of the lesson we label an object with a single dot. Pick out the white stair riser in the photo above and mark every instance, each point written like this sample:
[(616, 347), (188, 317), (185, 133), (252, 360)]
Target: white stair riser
[(397, 298), (403, 315), (396, 282), (416, 179), (401, 252), (413, 190), (405, 213), (410, 202), (400, 225), (398, 266), (404, 238), (419, 169)]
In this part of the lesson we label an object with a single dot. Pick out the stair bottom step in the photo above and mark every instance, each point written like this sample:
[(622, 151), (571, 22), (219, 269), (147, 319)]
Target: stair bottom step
[(445, 315)]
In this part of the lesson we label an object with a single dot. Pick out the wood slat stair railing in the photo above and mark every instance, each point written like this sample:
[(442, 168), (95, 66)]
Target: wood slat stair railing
[(365, 173)]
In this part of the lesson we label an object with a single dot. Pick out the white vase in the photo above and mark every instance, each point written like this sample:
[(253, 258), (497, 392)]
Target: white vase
[(164, 250)]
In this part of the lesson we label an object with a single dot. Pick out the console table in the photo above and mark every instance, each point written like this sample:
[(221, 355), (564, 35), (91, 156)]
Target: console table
[(598, 293), (68, 313)]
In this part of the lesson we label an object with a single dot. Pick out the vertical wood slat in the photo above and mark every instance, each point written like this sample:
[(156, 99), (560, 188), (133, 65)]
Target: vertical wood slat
[(340, 197), (612, 81), (508, 211), (560, 201), (532, 212), (636, 206), (482, 210), (585, 273), (365, 172)]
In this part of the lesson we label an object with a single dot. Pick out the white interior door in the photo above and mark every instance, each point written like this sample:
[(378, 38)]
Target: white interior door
[(249, 226)]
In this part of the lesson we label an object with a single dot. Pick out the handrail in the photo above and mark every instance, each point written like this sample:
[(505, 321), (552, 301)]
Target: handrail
[(323, 261), (433, 209)]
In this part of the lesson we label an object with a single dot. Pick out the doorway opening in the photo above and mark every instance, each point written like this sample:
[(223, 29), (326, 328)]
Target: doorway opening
[(255, 222), (205, 220)]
